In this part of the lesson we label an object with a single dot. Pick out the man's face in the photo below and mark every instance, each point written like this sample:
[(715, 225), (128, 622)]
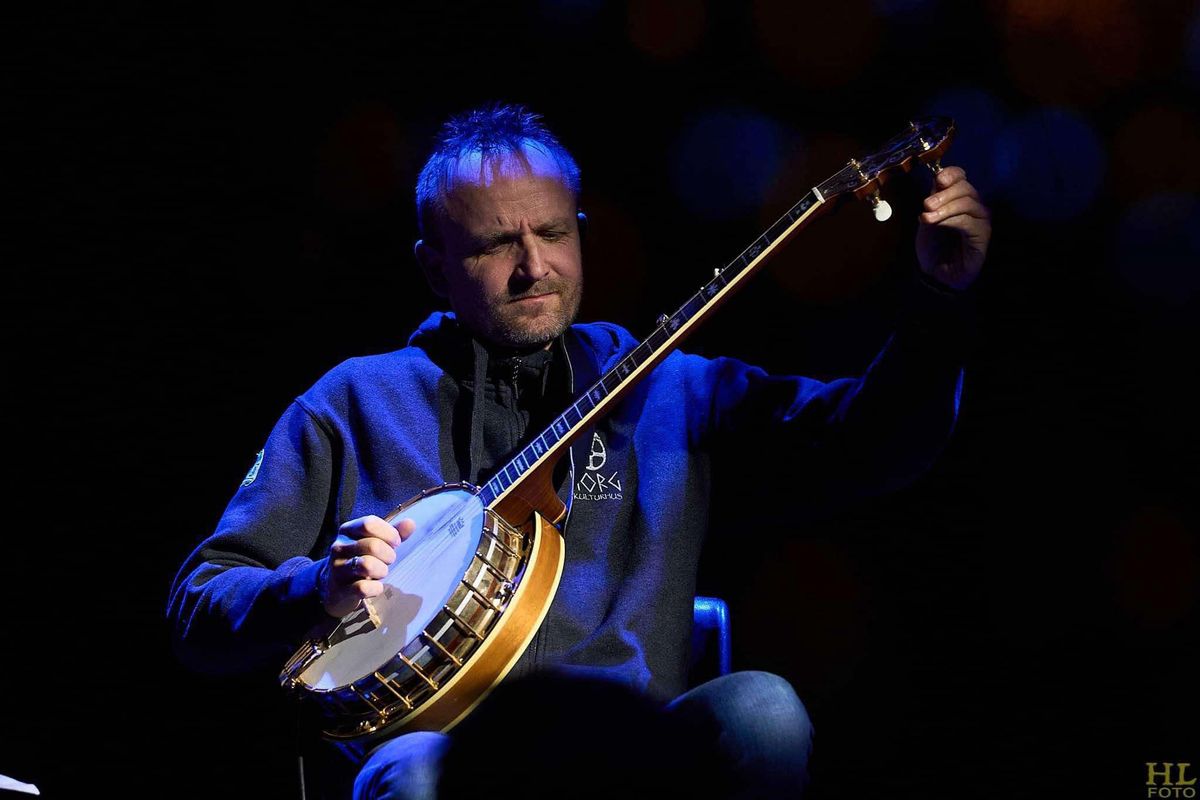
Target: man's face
[(509, 258)]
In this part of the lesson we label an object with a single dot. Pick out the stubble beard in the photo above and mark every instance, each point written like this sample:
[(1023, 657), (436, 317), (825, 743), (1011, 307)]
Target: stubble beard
[(518, 330)]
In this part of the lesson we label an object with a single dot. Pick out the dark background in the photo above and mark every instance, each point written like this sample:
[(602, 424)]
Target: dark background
[(214, 207)]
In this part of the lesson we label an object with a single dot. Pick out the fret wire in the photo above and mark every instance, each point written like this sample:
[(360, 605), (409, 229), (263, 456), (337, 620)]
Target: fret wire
[(645, 350)]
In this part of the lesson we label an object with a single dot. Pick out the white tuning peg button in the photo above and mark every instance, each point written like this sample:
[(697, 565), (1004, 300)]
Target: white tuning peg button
[(882, 209)]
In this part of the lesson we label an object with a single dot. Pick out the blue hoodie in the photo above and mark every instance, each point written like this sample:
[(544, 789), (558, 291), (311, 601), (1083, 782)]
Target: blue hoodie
[(377, 430)]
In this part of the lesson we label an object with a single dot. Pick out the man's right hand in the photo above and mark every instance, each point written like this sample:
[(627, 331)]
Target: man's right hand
[(359, 560)]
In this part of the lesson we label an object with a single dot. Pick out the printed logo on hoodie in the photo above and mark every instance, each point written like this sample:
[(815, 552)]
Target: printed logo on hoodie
[(596, 483)]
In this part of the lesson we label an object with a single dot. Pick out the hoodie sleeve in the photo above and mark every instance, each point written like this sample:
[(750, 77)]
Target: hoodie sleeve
[(859, 436), (247, 596)]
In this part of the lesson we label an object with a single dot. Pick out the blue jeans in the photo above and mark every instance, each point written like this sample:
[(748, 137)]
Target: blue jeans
[(752, 722)]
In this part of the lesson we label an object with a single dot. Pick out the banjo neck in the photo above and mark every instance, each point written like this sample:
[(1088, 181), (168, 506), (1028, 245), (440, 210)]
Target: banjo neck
[(481, 597), (924, 142)]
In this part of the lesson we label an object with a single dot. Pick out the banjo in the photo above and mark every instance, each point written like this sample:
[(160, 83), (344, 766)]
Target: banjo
[(472, 584)]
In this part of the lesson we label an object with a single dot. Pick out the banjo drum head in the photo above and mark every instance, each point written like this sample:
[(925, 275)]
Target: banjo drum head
[(429, 566)]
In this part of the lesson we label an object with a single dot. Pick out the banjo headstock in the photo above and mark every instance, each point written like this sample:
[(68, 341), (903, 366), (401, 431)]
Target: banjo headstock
[(925, 140)]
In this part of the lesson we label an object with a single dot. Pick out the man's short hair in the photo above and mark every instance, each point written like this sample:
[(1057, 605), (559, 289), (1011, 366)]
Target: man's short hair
[(493, 131)]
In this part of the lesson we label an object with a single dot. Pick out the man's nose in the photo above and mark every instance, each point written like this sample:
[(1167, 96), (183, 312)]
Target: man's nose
[(533, 258)]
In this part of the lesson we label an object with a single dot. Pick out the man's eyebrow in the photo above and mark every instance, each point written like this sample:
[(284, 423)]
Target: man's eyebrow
[(496, 237), (493, 238), (555, 224)]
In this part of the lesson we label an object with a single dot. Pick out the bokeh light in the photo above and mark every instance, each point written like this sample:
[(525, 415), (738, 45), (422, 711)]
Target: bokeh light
[(842, 254), (826, 49), (668, 29), (1158, 247), (1192, 47), (1051, 164), (1071, 51), (360, 163), (829, 608), (979, 117), (1153, 151), (613, 237), (903, 9), (724, 161), (571, 13), (1156, 566)]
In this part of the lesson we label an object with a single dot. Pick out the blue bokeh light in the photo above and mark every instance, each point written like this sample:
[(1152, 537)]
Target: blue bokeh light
[(1051, 164), (1158, 247), (573, 13), (1192, 47), (979, 117), (723, 162), (899, 9)]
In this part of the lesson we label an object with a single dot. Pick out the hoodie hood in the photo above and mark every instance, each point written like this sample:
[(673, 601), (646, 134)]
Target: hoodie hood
[(592, 348), (583, 352)]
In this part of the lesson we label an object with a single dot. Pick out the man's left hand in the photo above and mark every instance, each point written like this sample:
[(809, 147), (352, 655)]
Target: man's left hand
[(954, 230)]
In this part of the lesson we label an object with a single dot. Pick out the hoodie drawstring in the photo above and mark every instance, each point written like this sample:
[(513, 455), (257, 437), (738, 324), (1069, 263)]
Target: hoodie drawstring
[(475, 455)]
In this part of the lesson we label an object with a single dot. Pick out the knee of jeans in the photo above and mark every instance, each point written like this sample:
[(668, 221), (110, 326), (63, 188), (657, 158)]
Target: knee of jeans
[(405, 767), (769, 696)]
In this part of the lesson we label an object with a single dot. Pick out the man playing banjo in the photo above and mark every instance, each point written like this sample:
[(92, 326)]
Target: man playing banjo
[(301, 541)]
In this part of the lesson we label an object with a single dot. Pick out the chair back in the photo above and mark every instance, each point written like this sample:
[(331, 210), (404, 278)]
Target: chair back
[(711, 653)]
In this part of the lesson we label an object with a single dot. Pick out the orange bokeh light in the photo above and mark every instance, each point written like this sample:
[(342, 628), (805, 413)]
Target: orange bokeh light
[(667, 30), (1071, 51), (826, 49)]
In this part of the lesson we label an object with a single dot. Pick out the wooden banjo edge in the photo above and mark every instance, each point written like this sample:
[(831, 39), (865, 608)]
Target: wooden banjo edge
[(499, 652)]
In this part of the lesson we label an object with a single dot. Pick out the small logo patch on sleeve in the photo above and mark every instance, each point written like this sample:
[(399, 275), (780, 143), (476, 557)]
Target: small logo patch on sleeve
[(253, 473)]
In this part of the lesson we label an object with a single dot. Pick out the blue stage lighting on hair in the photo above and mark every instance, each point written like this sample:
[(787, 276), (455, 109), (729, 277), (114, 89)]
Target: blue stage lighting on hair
[(1158, 247), (724, 161), (1051, 164), (979, 118)]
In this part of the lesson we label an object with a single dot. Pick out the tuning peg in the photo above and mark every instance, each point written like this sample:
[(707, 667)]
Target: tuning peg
[(935, 166), (882, 208)]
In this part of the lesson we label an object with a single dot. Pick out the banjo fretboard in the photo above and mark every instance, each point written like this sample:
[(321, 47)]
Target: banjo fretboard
[(661, 341), (923, 141)]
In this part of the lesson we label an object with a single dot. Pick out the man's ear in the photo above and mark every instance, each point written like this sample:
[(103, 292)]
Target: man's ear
[(430, 259)]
